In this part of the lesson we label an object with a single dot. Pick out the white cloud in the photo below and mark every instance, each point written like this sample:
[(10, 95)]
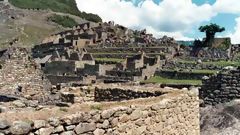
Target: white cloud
[(171, 17), (176, 35), (227, 6), (236, 35)]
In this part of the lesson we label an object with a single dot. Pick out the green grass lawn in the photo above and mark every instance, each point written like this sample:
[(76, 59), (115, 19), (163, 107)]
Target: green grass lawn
[(223, 63), (204, 71), (110, 59), (158, 79), (218, 63)]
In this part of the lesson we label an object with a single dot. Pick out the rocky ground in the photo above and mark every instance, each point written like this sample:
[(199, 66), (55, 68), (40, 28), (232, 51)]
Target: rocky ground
[(222, 119)]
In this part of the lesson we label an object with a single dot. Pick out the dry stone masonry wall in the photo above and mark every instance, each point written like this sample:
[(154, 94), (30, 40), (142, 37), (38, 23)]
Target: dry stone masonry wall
[(171, 114), (221, 88), (116, 94)]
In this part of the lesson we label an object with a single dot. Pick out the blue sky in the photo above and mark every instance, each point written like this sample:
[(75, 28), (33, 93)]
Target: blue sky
[(175, 18)]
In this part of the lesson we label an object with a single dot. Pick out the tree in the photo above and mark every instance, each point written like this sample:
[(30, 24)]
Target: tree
[(210, 31)]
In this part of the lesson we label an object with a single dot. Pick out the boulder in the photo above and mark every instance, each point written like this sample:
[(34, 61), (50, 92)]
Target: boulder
[(19, 104), (46, 131), (39, 124), (53, 122), (99, 132), (71, 127), (107, 113), (20, 128), (85, 127), (3, 124), (58, 129), (136, 115)]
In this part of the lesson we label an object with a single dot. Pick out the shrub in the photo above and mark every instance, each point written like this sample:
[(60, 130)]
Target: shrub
[(65, 21)]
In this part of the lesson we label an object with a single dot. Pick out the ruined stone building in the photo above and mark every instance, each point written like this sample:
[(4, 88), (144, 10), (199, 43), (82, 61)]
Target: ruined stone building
[(136, 68), (63, 68), (220, 48), (63, 59), (20, 77)]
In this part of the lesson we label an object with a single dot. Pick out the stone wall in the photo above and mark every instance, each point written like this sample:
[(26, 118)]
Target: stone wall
[(55, 79), (181, 74), (176, 113), (60, 68), (182, 65), (116, 94), (221, 88)]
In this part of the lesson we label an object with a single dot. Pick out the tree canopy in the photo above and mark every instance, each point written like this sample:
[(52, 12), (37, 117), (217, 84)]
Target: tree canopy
[(210, 31)]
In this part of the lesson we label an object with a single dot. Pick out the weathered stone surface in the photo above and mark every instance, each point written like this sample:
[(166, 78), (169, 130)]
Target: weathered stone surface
[(68, 133), (46, 131), (99, 132), (19, 104), (73, 119), (114, 122), (3, 124), (139, 131), (53, 122), (85, 127), (122, 128), (71, 127), (139, 122), (39, 124), (3, 109), (175, 115), (124, 118), (58, 129), (136, 115), (20, 128), (107, 113), (96, 118), (105, 124)]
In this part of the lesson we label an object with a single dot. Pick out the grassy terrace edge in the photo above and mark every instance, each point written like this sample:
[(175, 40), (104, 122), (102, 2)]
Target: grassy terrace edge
[(161, 80)]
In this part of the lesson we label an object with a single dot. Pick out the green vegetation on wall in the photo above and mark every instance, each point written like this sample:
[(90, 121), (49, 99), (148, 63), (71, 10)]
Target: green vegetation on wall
[(64, 21), (63, 6), (226, 44)]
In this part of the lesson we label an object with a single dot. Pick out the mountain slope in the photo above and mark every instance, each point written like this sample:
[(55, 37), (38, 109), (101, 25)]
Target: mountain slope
[(27, 27), (63, 6)]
